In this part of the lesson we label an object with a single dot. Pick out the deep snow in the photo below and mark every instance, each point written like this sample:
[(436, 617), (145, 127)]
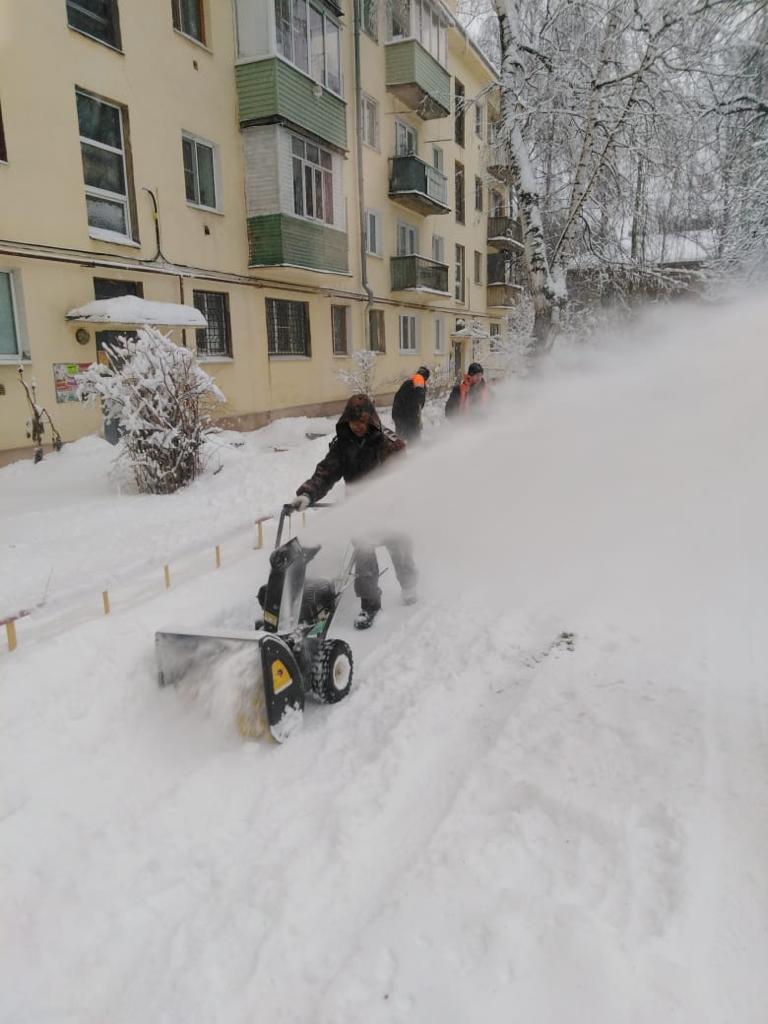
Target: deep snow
[(493, 826)]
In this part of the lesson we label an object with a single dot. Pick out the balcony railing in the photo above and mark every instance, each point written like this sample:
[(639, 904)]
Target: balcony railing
[(497, 157), (417, 79), (503, 296), (504, 232), (418, 185), (505, 269), (417, 273)]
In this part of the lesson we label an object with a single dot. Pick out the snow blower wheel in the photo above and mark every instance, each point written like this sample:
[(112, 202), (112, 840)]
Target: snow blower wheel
[(331, 677)]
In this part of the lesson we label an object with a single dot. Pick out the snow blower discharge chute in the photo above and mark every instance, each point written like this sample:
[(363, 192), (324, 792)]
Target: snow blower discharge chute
[(263, 676)]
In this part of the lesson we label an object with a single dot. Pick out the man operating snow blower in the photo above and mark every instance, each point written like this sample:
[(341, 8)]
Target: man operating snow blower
[(361, 446)]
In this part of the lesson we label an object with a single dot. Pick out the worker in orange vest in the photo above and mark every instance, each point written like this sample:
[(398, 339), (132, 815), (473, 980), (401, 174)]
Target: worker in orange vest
[(470, 395), (408, 403)]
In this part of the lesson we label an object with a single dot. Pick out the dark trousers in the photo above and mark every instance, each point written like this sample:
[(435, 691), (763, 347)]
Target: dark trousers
[(400, 548), (408, 430)]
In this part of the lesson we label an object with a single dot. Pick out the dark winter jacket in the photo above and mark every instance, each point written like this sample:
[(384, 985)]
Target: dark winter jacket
[(351, 458), (467, 397), (407, 405)]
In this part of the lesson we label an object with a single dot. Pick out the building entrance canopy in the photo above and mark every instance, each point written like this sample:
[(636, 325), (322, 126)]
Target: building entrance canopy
[(131, 311)]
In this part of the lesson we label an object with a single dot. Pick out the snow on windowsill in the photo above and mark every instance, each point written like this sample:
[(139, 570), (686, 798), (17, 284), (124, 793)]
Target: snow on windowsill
[(102, 235), (215, 359)]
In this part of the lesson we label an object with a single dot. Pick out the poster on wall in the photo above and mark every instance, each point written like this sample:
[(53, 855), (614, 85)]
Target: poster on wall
[(65, 380)]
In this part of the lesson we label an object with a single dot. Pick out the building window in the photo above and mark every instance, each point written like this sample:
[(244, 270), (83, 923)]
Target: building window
[(407, 239), (376, 339), (3, 150), (373, 240), (478, 194), (199, 172), (459, 189), (188, 18), (369, 18), (478, 119), (495, 333), (408, 342), (438, 249), (288, 328), (369, 115), (308, 38), (439, 334), (97, 19), (478, 267), (216, 338), (497, 204), (418, 19), (459, 278), (312, 181), (9, 330), (437, 158), (406, 139), (458, 112), (105, 170), (340, 330)]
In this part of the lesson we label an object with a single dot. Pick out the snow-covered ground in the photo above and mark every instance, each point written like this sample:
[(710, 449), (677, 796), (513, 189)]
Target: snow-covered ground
[(499, 823)]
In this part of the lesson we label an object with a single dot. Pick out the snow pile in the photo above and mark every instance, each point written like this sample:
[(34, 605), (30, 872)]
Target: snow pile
[(131, 310), (503, 820)]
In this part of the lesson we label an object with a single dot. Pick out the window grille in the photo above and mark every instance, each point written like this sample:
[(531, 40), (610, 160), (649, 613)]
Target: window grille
[(216, 338), (288, 328), (95, 18)]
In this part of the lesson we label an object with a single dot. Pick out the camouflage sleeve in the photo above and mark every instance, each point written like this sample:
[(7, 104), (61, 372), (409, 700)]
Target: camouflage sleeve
[(327, 473)]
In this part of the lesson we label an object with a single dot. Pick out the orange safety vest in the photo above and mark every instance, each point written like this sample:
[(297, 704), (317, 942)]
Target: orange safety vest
[(464, 388)]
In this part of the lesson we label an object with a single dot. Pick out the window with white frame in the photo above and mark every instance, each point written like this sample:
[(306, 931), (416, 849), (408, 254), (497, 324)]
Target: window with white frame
[(288, 328), (340, 330), (407, 239), (437, 158), (199, 171), (10, 344), (406, 139), (105, 169), (439, 334), (312, 180), (373, 240), (97, 19), (309, 38), (438, 248), (369, 115), (215, 339), (420, 19), (408, 339), (459, 286), (189, 18)]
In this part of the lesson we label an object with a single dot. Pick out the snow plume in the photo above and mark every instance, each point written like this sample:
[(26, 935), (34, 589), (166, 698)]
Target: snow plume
[(601, 481), (159, 395)]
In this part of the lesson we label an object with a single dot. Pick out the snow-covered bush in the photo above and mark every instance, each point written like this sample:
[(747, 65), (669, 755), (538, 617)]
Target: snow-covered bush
[(361, 378), (161, 398)]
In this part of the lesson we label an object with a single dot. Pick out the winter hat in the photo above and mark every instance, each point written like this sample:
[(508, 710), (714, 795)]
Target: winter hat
[(474, 368), (424, 371)]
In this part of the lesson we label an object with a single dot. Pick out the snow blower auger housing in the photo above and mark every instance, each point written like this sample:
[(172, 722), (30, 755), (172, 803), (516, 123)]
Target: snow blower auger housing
[(269, 671)]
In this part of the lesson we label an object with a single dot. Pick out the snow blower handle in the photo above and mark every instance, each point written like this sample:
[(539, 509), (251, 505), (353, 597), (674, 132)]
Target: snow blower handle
[(288, 510)]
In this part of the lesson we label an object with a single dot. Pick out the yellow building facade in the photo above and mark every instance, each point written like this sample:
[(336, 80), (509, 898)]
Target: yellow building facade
[(315, 180)]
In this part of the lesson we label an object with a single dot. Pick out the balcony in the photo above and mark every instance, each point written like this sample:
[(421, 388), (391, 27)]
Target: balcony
[(418, 185), (416, 78), (497, 158), (505, 281), (418, 274), (504, 232), (503, 296)]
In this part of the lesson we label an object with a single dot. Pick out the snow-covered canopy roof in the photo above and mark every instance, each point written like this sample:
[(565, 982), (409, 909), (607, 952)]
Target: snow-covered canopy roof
[(472, 331), (131, 311)]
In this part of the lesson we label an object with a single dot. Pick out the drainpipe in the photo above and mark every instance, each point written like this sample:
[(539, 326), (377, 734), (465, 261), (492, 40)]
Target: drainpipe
[(359, 147)]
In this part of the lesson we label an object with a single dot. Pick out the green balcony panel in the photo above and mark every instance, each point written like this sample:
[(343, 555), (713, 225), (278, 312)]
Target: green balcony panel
[(278, 240), (415, 77), (270, 91)]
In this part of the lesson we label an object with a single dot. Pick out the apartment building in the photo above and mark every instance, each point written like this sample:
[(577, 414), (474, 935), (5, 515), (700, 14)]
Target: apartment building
[(314, 179)]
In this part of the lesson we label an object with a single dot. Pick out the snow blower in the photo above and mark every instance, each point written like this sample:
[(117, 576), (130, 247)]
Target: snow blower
[(264, 675)]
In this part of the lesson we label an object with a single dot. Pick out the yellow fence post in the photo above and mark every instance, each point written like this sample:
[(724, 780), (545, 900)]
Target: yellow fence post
[(167, 576), (10, 629), (218, 557), (105, 601)]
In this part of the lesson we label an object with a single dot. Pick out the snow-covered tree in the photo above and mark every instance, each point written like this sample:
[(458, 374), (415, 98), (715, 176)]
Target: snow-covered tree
[(161, 399), (361, 378)]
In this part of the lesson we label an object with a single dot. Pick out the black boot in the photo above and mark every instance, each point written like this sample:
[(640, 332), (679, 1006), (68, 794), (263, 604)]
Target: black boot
[(366, 615)]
